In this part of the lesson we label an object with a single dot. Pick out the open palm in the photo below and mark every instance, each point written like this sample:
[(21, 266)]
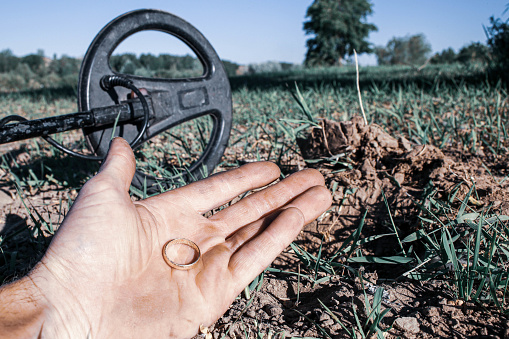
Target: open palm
[(106, 267)]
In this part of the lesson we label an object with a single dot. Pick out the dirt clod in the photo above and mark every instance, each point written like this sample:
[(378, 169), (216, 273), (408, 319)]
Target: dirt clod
[(408, 324), (380, 164)]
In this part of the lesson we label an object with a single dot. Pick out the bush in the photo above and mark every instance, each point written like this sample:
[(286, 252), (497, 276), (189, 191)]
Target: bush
[(409, 50), (498, 41)]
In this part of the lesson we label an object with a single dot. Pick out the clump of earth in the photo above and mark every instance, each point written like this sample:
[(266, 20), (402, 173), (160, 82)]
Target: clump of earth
[(383, 164)]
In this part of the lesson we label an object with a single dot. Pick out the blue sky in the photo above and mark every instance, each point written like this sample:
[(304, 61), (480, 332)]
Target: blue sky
[(243, 31)]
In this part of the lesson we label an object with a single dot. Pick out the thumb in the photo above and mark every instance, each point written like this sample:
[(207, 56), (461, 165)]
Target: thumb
[(119, 165)]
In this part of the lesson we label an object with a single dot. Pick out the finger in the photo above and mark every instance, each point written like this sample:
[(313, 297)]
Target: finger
[(246, 233), (214, 191), (311, 204), (266, 201), (257, 254), (119, 165)]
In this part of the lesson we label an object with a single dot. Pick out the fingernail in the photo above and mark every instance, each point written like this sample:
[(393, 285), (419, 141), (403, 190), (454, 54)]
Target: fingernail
[(111, 141)]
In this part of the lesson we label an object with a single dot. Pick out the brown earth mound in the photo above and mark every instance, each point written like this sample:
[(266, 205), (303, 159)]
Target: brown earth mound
[(362, 161)]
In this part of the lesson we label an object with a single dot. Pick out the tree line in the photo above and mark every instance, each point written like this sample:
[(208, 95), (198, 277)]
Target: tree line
[(416, 50), (35, 71), (163, 65)]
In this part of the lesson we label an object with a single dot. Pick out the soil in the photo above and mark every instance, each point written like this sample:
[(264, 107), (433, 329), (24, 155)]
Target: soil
[(425, 310), (361, 164)]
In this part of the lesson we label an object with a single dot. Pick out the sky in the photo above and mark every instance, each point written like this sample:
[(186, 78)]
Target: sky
[(241, 31)]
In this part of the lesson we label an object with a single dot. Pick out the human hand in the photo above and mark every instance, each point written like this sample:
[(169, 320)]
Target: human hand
[(104, 274)]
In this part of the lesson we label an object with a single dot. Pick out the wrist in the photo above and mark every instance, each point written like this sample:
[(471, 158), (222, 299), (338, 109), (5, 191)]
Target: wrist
[(37, 305), (22, 309), (63, 314)]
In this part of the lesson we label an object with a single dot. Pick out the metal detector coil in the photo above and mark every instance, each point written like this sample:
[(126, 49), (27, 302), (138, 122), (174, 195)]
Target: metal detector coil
[(102, 94)]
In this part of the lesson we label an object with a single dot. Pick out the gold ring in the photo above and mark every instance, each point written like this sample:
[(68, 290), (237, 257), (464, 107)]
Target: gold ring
[(182, 241)]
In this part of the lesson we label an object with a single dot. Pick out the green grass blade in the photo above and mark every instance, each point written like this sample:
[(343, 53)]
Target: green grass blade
[(393, 225), (395, 260), (336, 319)]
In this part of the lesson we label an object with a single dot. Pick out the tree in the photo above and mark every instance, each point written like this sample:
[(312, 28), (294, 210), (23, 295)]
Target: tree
[(150, 62), (447, 56), (230, 67), (339, 27), (409, 50), (65, 66), (475, 52), (125, 63), (34, 61), (265, 67), (498, 41), (8, 61)]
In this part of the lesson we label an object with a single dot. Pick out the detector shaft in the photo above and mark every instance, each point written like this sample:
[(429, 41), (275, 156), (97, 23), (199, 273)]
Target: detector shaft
[(96, 117)]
